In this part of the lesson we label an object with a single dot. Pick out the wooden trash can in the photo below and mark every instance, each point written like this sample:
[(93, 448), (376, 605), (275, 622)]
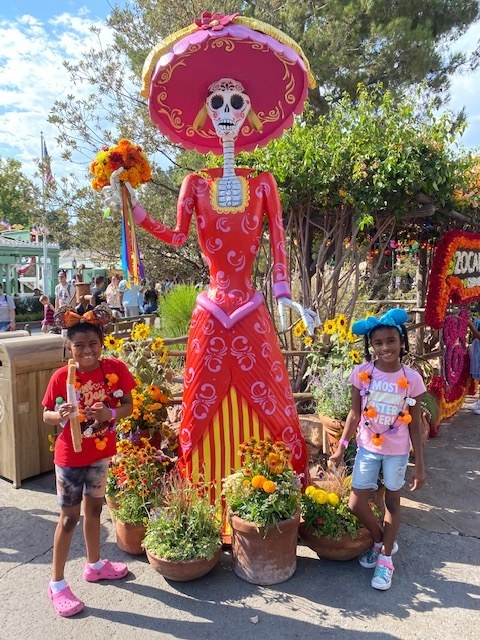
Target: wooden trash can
[(26, 365), (6, 335)]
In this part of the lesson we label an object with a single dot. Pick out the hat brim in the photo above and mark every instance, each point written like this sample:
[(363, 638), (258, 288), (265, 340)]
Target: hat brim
[(274, 75)]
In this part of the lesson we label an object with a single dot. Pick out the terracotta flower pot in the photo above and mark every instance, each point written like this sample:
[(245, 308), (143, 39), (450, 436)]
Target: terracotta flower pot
[(111, 504), (182, 571), (332, 431), (346, 548), (130, 537), (264, 559)]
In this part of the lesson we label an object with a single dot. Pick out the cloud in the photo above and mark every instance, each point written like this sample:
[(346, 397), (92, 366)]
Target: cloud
[(32, 77)]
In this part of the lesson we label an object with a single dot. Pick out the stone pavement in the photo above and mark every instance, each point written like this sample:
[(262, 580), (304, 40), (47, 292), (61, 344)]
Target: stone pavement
[(435, 593)]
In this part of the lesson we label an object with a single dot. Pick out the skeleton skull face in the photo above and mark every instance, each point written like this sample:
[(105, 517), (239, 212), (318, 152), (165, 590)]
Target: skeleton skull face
[(228, 106)]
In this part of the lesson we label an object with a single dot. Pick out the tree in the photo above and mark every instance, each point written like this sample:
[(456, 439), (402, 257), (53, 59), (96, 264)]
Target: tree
[(346, 43), (370, 171), (18, 196)]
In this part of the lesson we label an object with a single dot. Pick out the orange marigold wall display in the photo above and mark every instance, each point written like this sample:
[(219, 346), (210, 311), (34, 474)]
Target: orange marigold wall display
[(454, 277)]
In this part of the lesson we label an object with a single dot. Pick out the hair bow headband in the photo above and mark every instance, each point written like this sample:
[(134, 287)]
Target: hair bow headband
[(393, 318), (66, 317)]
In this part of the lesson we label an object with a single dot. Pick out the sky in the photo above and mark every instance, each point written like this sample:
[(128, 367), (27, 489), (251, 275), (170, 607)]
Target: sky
[(37, 35)]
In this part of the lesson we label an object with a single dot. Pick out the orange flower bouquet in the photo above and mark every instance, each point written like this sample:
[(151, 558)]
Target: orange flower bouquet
[(266, 489), (126, 154)]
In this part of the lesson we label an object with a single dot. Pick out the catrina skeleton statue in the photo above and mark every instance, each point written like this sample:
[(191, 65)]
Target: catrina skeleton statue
[(236, 384)]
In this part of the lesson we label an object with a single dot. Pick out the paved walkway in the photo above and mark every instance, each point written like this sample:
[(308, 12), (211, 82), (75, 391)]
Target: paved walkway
[(435, 594)]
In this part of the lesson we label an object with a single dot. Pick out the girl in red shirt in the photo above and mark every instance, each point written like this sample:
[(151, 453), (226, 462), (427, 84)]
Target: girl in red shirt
[(103, 392)]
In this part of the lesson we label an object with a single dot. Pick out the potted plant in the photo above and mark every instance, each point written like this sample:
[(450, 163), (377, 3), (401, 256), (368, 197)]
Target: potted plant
[(330, 362), (146, 357), (328, 526), (263, 499), (183, 537), (133, 489)]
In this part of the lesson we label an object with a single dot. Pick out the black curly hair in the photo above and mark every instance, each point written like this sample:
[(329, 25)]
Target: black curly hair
[(403, 339)]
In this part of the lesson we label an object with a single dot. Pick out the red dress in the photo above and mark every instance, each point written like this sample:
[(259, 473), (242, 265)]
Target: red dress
[(236, 384)]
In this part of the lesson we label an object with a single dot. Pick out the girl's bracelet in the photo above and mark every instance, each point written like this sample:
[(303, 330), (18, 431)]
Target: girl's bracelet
[(114, 413), (343, 442)]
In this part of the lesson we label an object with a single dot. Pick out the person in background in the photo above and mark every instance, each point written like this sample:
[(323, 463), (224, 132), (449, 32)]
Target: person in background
[(48, 313), (113, 295), (7, 311), (474, 352), (130, 298), (64, 291), (104, 394), (150, 299), (97, 295)]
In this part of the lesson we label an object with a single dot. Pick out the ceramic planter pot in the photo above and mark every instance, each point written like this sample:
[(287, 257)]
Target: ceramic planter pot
[(332, 431), (346, 548), (185, 570), (130, 537), (261, 557)]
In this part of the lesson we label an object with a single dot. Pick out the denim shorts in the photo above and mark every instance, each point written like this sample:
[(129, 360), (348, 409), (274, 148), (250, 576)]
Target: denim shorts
[(74, 482), (367, 468)]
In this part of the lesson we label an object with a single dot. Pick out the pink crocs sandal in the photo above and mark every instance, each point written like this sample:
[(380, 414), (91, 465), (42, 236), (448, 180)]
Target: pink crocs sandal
[(64, 602), (109, 571)]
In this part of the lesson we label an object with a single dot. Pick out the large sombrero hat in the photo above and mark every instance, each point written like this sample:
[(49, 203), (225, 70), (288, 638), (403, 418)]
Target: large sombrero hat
[(270, 65)]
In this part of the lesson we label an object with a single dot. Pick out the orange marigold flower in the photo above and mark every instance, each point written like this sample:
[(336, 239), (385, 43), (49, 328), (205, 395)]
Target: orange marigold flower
[(269, 486), (370, 412), (402, 382), (258, 481), (364, 376)]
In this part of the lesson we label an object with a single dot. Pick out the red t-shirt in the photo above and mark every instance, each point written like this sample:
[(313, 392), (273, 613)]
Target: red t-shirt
[(91, 387)]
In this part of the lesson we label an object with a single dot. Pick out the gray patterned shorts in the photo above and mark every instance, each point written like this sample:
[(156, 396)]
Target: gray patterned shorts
[(74, 482)]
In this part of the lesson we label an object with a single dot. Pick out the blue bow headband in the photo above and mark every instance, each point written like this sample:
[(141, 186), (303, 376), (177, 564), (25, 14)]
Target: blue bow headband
[(393, 318)]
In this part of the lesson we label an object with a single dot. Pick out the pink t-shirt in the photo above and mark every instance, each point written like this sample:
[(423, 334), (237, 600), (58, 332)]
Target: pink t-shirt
[(388, 399)]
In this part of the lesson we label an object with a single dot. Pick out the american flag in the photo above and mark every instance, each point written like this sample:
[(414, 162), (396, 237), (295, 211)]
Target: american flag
[(47, 169)]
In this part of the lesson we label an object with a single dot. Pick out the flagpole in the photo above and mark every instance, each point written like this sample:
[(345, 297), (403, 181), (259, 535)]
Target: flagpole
[(45, 279)]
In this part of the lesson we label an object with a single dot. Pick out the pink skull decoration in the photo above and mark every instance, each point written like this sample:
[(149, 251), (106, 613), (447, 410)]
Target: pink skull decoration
[(228, 106)]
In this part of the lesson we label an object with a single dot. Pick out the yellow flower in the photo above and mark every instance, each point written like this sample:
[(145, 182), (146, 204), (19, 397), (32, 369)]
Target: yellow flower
[(347, 481), (139, 332), (342, 323), (329, 327), (320, 496), (333, 499), (299, 328), (310, 490), (355, 356), (308, 341)]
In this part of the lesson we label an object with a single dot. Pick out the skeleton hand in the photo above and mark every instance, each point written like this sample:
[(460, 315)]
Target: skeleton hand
[(309, 317), (113, 193)]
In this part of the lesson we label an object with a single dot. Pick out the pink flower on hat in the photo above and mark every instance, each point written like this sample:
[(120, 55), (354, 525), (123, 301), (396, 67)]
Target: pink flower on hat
[(214, 21)]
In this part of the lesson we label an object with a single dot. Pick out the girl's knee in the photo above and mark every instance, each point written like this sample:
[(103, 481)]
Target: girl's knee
[(69, 522), (392, 500)]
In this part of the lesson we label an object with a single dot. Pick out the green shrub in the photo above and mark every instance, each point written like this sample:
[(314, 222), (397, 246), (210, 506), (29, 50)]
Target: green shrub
[(175, 310)]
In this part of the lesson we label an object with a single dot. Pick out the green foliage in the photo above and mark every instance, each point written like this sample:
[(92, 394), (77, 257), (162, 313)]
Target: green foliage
[(325, 508), (133, 508), (331, 392), (185, 526), (330, 521), (18, 196), (372, 155), (175, 310)]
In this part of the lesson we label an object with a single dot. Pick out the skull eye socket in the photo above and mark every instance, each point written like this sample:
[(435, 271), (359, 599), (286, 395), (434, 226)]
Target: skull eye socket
[(237, 101), (216, 101)]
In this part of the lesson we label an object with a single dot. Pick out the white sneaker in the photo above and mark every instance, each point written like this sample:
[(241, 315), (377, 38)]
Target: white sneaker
[(382, 577), (474, 407)]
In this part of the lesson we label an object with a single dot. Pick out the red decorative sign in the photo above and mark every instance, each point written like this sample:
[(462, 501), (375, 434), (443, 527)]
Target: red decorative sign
[(454, 275)]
